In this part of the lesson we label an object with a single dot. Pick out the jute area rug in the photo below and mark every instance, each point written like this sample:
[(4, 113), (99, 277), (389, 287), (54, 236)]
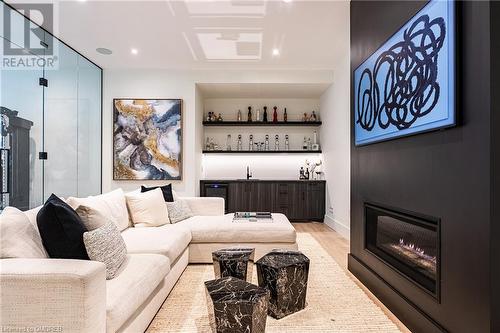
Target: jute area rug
[(334, 302)]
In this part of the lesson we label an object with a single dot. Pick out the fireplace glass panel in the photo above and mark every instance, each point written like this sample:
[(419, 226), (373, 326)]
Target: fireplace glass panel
[(410, 244)]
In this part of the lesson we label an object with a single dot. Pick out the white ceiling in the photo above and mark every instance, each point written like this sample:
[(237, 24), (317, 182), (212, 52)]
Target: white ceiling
[(236, 34)]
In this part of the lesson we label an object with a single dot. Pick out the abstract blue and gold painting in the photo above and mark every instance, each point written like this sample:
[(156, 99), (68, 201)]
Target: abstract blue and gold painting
[(407, 86), (147, 139)]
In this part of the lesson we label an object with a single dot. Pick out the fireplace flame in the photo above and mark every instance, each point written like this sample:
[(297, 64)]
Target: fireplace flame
[(417, 250)]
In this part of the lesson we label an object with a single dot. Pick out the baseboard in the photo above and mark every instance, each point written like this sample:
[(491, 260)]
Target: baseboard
[(339, 227)]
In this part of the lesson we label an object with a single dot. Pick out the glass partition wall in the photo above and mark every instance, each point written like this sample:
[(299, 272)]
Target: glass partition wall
[(51, 130)]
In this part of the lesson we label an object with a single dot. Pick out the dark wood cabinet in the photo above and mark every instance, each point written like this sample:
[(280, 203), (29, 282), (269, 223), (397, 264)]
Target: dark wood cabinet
[(298, 200)]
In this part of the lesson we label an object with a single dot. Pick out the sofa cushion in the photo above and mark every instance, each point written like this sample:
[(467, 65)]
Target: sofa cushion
[(31, 215), (18, 237), (61, 230), (147, 209), (222, 229), (111, 204), (170, 240), (137, 278)]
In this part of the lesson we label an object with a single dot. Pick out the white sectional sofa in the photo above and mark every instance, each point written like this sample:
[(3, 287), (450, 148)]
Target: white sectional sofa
[(74, 295)]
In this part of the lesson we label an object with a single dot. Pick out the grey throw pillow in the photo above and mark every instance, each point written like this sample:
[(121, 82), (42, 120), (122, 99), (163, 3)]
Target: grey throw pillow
[(91, 217), (105, 244), (178, 210)]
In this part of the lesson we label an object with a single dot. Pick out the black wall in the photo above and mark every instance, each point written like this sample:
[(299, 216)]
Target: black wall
[(447, 174), (495, 156)]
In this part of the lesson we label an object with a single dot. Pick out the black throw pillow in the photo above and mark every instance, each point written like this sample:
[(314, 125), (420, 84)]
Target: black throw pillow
[(61, 230), (166, 189)]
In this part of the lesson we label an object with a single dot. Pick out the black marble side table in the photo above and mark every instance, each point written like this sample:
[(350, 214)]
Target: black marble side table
[(233, 262), (284, 273), (236, 306)]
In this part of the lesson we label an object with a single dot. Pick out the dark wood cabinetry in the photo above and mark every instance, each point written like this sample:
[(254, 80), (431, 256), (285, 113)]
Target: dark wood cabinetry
[(298, 200)]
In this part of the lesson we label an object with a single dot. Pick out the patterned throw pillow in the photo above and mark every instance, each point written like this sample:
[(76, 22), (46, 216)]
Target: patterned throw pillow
[(178, 210), (105, 244)]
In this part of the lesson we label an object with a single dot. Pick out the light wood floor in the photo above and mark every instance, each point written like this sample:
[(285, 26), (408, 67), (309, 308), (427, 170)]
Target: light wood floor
[(338, 248)]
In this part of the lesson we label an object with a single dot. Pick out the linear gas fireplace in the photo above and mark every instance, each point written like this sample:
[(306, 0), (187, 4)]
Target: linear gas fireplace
[(407, 242)]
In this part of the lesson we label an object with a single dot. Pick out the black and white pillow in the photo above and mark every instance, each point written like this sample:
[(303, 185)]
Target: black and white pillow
[(168, 195), (105, 244)]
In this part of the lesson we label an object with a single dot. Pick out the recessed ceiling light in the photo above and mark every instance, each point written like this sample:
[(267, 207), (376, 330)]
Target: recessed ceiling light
[(134, 51), (103, 50), (276, 52)]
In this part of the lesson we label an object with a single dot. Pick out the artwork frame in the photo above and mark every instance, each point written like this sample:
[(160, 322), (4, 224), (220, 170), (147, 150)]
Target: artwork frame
[(381, 104), (147, 139)]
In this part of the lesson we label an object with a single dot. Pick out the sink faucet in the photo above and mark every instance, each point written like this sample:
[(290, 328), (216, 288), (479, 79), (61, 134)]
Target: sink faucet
[(249, 175)]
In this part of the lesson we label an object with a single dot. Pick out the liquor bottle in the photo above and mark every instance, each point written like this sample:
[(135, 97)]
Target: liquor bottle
[(239, 115), (304, 144), (239, 145), (285, 116), (219, 118), (264, 119), (249, 114), (301, 173), (207, 145), (287, 143), (313, 116), (250, 142), (228, 142), (315, 145), (275, 114), (306, 174), (257, 116), (276, 142), (266, 142)]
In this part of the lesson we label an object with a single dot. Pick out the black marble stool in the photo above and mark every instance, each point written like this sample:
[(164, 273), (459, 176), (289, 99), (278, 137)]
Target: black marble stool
[(233, 262), (284, 273), (236, 306)]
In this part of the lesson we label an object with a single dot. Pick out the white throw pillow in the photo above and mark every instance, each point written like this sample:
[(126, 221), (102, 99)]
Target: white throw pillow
[(175, 195), (112, 205), (18, 237), (147, 209)]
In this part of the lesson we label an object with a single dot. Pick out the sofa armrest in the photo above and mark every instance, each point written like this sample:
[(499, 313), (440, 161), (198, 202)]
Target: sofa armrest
[(58, 294), (205, 206)]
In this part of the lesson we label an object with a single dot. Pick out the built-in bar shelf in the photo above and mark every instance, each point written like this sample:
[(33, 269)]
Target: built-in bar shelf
[(260, 123), (261, 151)]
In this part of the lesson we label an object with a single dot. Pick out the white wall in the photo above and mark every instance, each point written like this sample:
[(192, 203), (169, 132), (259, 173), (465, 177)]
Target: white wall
[(181, 84), (335, 106), (265, 166)]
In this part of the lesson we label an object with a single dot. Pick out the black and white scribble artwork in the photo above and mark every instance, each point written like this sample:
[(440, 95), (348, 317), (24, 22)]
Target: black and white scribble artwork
[(407, 85)]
